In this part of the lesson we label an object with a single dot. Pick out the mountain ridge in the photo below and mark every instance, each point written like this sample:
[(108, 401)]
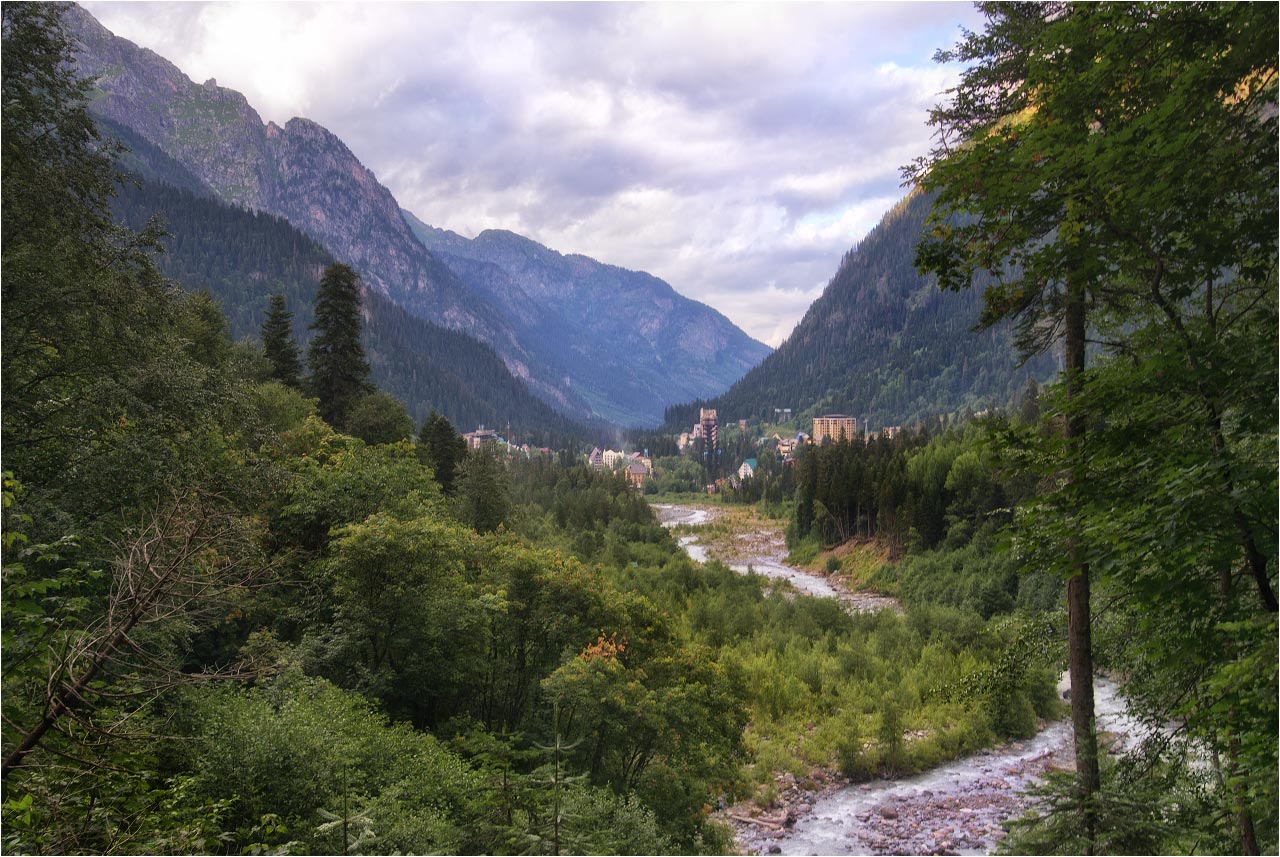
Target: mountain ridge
[(641, 315), (240, 257), (883, 343), (306, 174)]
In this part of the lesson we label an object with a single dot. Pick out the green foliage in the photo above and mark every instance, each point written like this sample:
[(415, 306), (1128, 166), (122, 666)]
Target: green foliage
[(339, 370), (379, 418), (483, 498), (281, 408), (443, 448), (300, 749), (1096, 172), (277, 342), (402, 623), (1153, 802)]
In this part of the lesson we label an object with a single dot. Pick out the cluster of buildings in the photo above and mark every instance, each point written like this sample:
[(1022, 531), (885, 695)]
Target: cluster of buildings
[(836, 427), (706, 429), (487, 438), (635, 466), (480, 438)]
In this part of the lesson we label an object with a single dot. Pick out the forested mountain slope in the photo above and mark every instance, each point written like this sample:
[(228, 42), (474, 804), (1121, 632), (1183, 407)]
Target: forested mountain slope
[(634, 342), (242, 257), (304, 173), (883, 342)]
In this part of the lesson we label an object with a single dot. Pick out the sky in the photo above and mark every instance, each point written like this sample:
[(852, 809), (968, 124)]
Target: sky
[(736, 150)]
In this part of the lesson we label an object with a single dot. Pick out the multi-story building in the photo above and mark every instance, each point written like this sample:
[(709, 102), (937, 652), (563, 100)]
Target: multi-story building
[(710, 428), (636, 474), (834, 427), (596, 459), (481, 437), (612, 457), (891, 431)]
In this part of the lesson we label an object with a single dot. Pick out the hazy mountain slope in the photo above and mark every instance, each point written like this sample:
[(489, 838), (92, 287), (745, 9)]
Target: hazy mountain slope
[(884, 343), (627, 335), (241, 257)]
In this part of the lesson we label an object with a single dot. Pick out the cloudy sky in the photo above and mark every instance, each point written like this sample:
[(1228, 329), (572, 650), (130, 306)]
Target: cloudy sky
[(736, 150)]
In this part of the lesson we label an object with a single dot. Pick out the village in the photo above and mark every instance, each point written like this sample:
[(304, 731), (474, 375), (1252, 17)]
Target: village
[(702, 445)]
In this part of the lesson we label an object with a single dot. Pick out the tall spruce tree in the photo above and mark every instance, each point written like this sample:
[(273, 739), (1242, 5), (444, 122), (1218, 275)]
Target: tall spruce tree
[(443, 448), (277, 342), (339, 370)]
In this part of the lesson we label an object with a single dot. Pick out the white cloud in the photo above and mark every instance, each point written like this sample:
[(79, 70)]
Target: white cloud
[(736, 150)]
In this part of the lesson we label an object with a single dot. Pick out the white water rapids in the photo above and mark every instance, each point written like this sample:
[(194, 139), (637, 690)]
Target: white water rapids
[(956, 808)]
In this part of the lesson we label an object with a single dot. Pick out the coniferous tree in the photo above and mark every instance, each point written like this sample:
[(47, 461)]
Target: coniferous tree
[(442, 447), (339, 370), (484, 491), (277, 342)]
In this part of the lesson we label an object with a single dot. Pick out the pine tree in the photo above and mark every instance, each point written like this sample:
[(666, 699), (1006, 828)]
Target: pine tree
[(441, 445), (277, 342), (339, 370)]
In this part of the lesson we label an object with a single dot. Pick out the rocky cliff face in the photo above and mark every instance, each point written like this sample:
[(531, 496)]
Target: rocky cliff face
[(325, 191), (300, 172), (211, 130), (589, 338)]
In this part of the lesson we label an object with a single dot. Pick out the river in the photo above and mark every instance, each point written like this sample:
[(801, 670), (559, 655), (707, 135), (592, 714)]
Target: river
[(956, 808), (767, 557)]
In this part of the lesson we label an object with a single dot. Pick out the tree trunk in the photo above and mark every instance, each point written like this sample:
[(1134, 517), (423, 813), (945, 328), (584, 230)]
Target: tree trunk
[(1079, 627)]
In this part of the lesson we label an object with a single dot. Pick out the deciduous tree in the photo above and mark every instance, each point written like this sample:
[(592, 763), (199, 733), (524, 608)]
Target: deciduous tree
[(1108, 163)]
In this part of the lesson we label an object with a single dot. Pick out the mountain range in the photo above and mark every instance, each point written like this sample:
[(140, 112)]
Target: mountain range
[(590, 339), (883, 343), (240, 256)]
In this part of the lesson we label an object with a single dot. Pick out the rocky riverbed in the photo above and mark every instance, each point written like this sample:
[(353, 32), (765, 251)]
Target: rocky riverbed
[(956, 808), (762, 549)]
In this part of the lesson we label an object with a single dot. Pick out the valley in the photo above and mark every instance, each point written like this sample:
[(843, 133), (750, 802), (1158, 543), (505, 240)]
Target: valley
[(326, 530), (958, 807)]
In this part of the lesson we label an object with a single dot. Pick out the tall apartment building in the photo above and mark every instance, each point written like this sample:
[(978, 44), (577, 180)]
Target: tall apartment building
[(710, 430), (834, 427)]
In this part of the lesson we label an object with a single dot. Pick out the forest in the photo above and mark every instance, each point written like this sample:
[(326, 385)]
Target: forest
[(239, 256), (251, 605)]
